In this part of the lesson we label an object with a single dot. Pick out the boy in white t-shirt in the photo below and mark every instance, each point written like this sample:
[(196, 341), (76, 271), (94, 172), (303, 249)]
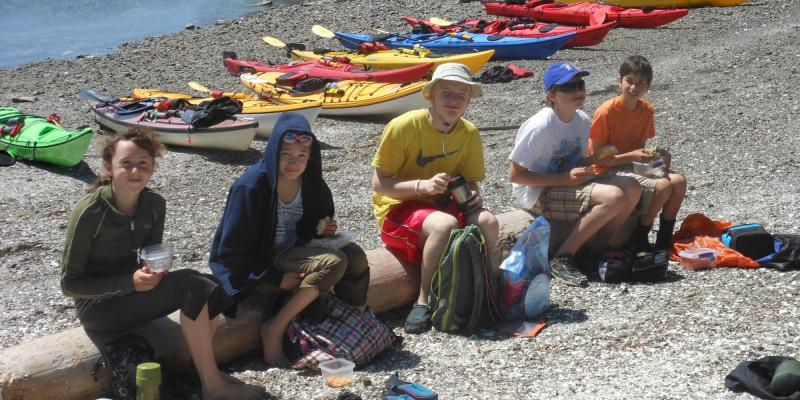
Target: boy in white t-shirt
[(551, 176)]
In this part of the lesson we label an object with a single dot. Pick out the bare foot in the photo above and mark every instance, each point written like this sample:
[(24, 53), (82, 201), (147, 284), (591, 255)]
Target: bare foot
[(232, 379), (272, 341), (231, 391)]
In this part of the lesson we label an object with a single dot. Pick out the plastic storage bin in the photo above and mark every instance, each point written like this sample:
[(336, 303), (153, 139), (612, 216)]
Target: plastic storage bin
[(337, 373), (699, 258), (158, 256)]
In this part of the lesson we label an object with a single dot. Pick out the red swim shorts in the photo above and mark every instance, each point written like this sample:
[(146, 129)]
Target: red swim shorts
[(403, 225)]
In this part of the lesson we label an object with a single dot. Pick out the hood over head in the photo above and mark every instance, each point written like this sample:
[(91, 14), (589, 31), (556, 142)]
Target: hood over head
[(291, 122)]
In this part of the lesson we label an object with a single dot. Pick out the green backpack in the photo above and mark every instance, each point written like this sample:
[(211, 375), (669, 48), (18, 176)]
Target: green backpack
[(464, 290)]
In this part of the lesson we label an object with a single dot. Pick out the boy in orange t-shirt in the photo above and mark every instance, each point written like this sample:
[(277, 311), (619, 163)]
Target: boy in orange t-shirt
[(627, 122)]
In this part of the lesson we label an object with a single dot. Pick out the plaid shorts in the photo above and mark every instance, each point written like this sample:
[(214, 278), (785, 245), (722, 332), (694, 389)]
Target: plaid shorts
[(564, 203)]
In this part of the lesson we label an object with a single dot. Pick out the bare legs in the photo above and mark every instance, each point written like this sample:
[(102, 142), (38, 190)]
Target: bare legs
[(667, 199), (272, 331), (433, 239), (199, 334), (610, 206)]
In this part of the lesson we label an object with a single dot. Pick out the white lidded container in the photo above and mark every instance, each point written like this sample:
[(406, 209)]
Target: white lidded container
[(337, 373), (158, 256)]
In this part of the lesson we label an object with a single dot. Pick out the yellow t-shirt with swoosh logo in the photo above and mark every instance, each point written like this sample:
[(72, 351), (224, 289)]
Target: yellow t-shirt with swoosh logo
[(412, 148)]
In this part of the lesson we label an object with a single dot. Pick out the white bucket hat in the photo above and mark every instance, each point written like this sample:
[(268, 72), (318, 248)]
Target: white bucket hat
[(454, 72)]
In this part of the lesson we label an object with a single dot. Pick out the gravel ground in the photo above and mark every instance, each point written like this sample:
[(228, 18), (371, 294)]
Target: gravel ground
[(722, 91)]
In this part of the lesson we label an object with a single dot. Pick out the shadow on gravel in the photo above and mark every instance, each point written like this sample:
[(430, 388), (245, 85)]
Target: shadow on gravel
[(392, 360), (365, 119), (82, 171), (558, 315), (226, 157)]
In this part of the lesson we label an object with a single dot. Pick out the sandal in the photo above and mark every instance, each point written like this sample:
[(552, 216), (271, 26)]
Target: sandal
[(419, 319), (401, 390)]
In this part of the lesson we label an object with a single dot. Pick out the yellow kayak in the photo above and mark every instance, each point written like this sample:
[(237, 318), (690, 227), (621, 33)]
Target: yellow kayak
[(265, 111), (660, 3), (343, 98), (401, 58)]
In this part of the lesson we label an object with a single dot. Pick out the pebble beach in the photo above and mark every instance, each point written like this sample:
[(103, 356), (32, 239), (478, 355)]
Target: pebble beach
[(722, 92)]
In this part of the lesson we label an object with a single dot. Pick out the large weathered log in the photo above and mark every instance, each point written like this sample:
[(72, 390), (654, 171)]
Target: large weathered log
[(59, 366)]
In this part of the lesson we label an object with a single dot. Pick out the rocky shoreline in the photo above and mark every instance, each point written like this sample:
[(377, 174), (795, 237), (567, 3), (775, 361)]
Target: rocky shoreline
[(724, 108)]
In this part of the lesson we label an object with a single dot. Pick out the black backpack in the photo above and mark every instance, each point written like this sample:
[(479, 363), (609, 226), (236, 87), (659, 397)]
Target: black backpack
[(618, 265), (464, 293), (121, 357), (497, 74), (752, 240), (212, 112)]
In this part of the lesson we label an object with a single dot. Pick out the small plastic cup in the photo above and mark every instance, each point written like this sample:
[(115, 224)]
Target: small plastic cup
[(158, 257), (337, 373), (699, 258)]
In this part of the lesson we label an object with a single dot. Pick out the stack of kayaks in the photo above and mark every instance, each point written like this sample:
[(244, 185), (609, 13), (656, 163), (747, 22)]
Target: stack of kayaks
[(265, 111), (326, 68), (663, 3), (582, 13), (118, 115), (342, 98), (39, 139), (398, 58), (505, 47), (584, 35)]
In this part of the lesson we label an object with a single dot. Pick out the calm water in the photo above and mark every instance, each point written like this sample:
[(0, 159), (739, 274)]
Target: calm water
[(35, 30)]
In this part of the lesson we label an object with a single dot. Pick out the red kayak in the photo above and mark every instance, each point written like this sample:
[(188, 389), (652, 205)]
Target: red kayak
[(327, 69), (524, 27), (582, 13)]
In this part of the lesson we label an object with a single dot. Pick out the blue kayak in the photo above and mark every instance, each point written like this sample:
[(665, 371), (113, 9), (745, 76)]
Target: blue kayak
[(505, 47)]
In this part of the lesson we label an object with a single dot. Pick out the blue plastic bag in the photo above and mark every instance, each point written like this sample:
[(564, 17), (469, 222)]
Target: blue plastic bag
[(525, 282)]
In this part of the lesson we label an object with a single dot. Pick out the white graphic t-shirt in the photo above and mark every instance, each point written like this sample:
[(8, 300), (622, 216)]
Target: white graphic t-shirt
[(546, 145)]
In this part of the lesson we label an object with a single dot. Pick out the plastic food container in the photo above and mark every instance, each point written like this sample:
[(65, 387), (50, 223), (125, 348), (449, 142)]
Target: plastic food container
[(337, 373), (654, 168), (699, 258), (158, 256)]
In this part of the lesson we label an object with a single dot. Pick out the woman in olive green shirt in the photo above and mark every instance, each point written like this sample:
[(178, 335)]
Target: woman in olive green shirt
[(101, 269)]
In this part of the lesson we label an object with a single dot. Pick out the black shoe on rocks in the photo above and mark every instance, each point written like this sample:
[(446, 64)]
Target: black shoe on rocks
[(563, 269)]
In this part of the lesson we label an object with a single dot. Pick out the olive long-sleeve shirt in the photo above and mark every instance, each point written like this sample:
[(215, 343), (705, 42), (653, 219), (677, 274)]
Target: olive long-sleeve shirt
[(101, 250)]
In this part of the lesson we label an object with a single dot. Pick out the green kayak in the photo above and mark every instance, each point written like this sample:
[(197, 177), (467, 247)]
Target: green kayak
[(41, 140)]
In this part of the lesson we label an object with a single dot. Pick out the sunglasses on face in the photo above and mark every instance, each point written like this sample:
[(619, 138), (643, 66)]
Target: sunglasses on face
[(291, 137), (453, 96), (570, 87)]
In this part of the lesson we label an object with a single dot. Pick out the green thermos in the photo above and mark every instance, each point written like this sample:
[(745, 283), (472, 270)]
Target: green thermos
[(148, 381)]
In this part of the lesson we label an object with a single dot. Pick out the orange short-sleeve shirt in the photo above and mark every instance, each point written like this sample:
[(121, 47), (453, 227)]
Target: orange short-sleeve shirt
[(625, 129)]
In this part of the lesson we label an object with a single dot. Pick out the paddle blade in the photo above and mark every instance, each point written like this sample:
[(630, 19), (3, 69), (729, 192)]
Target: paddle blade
[(273, 41), (322, 31), (198, 87), (93, 95), (440, 22)]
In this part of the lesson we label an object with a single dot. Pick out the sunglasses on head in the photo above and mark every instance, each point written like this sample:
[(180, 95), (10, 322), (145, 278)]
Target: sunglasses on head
[(570, 87), (291, 137)]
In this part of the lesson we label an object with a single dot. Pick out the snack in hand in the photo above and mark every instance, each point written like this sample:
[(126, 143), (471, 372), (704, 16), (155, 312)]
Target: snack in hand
[(606, 152), (651, 151), (322, 224)]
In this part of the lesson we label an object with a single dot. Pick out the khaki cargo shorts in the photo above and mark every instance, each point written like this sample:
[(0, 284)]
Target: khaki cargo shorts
[(647, 183)]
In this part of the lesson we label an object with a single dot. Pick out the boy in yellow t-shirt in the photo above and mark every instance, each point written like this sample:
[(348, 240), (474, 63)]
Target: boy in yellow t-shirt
[(627, 122), (420, 153)]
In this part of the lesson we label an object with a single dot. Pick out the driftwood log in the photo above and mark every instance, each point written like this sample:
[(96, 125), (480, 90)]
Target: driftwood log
[(59, 366)]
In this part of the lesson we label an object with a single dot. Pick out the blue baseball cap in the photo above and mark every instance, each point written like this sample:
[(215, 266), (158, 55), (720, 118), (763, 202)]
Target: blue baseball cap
[(561, 72)]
